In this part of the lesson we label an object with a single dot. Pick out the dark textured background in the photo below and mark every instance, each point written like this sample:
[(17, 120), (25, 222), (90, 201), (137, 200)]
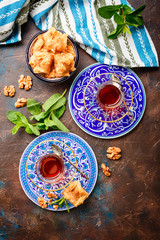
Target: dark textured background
[(124, 206)]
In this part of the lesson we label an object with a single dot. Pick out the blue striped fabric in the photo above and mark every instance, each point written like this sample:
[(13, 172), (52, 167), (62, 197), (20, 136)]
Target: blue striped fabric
[(38, 16), (15, 36), (79, 19), (9, 13), (142, 44), (39, 24), (96, 35)]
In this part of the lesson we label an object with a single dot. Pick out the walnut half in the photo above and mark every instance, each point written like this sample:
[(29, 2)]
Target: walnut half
[(42, 202), (113, 153), (52, 195), (50, 201), (106, 170), (21, 102), (55, 207), (25, 82), (9, 91)]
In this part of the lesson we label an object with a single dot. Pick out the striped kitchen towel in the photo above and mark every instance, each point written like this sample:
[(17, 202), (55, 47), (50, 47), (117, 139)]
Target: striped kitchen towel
[(81, 21)]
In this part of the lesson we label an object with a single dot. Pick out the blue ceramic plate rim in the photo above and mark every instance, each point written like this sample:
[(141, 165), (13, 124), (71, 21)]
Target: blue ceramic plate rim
[(62, 79), (88, 146), (92, 134)]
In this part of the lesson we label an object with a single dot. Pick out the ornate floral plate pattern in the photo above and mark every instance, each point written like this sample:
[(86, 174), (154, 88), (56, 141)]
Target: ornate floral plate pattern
[(74, 148), (101, 123)]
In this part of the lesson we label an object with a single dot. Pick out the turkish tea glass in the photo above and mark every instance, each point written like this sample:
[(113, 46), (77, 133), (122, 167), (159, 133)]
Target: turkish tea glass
[(110, 94)]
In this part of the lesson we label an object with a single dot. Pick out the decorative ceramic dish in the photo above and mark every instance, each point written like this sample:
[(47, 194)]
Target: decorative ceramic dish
[(90, 117), (74, 148)]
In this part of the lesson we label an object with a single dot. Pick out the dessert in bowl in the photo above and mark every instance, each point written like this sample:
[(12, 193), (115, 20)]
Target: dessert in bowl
[(52, 55)]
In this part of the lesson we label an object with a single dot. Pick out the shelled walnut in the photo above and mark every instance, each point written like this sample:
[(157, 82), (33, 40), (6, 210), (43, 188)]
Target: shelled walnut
[(49, 201), (55, 207), (21, 102), (52, 195), (113, 153), (25, 82), (9, 91), (42, 202), (106, 170)]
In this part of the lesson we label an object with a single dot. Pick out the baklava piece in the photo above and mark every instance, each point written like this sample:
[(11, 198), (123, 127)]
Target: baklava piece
[(63, 65), (55, 41), (75, 193), (41, 62), (38, 44)]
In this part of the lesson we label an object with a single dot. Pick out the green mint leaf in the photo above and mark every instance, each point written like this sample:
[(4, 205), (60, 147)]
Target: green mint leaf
[(57, 201), (58, 123), (40, 116), (55, 127), (124, 30), (16, 117), (59, 112), (137, 11), (113, 32), (118, 19), (43, 115), (132, 24), (111, 8), (32, 129), (22, 118), (52, 100), (108, 11), (16, 128), (40, 126), (126, 9), (28, 130), (116, 32), (105, 14), (127, 30), (61, 202), (12, 116), (48, 122), (58, 104), (134, 21), (33, 106)]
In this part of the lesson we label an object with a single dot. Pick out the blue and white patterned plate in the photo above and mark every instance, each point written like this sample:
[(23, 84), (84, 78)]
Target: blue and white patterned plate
[(74, 148), (101, 123)]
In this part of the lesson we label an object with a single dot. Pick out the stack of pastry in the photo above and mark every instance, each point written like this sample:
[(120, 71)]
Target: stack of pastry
[(52, 54)]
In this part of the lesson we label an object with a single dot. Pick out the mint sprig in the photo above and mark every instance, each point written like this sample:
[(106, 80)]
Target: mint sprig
[(123, 16), (54, 108), (60, 202)]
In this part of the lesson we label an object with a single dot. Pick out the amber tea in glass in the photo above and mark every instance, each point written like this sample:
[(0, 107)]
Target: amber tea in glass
[(109, 95), (50, 168)]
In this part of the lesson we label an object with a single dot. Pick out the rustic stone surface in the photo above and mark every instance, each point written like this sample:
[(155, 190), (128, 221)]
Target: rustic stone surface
[(122, 207)]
